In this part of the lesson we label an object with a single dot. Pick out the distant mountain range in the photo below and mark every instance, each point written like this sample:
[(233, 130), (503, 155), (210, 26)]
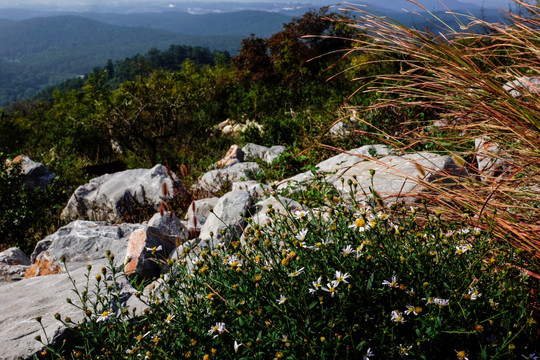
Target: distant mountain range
[(41, 47)]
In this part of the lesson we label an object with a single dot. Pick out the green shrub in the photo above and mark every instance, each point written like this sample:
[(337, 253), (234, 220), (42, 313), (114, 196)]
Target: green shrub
[(344, 282), (27, 214)]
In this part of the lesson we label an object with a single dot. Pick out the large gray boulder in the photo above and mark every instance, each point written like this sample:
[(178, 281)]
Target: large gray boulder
[(215, 181), (170, 228), (34, 174), (279, 204), (395, 177), (491, 159), (13, 264), (524, 85), (228, 215), (351, 157), (44, 296), (337, 164), (84, 241), (253, 152), (148, 247), (107, 197), (253, 187), (198, 212)]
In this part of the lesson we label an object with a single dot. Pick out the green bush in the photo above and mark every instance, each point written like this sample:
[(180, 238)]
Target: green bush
[(344, 282), (27, 214)]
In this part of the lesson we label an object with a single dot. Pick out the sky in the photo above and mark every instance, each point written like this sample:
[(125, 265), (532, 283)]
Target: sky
[(98, 3)]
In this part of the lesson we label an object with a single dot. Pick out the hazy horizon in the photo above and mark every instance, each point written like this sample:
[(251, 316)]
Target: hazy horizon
[(96, 4)]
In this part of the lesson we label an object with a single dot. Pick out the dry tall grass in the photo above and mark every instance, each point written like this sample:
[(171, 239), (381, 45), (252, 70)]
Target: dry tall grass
[(461, 76)]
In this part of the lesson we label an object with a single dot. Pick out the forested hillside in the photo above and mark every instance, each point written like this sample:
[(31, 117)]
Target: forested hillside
[(39, 52), (157, 104), (237, 23)]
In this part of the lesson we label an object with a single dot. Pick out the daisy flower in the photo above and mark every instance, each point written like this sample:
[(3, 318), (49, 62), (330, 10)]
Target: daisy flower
[(300, 214), (301, 236), (441, 302), (392, 283), (104, 316), (398, 317), (461, 355), (281, 299), (368, 354), (411, 309), (316, 286), (296, 272), (340, 277), (346, 251), (360, 224), (474, 293), (403, 349), (331, 287), (460, 249), (152, 249), (219, 328)]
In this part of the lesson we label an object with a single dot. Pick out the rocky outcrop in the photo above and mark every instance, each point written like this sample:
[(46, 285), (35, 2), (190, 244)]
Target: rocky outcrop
[(109, 197), (228, 215), (392, 176), (523, 86), (143, 247), (82, 242), (253, 152), (43, 296), (13, 264), (395, 177), (279, 205), (215, 181), (198, 212), (491, 160), (34, 174), (235, 155)]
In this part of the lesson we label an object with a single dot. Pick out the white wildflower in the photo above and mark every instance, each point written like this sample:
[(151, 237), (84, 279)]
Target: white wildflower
[(301, 235), (155, 248), (398, 317), (342, 277), (296, 272), (316, 286), (331, 287), (300, 214), (368, 354), (360, 224), (217, 329), (474, 293), (104, 316), (392, 283), (346, 251)]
